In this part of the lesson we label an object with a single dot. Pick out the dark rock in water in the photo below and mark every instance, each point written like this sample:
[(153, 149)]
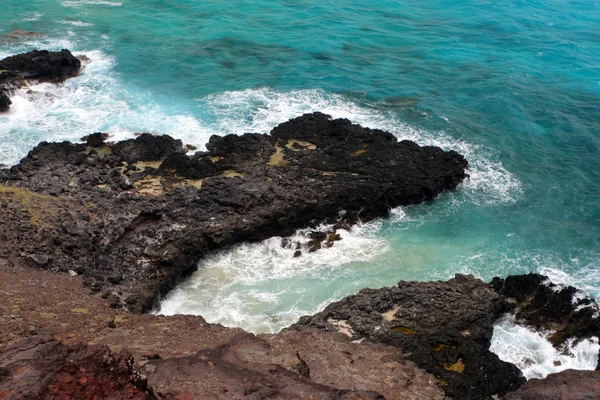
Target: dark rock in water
[(566, 385), (546, 306), (42, 65), (443, 327), (95, 139), (4, 101), (17, 35), (244, 188)]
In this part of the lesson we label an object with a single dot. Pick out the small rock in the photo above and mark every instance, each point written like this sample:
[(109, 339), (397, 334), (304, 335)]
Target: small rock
[(150, 252), (73, 183), (136, 176), (39, 259), (72, 273), (95, 139), (125, 183), (115, 279), (313, 246), (149, 368)]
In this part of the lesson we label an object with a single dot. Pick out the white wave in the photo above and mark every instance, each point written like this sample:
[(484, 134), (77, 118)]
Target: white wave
[(535, 356), (582, 273), (262, 287), (99, 100), (81, 3), (40, 41), (34, 17), (76, 23)]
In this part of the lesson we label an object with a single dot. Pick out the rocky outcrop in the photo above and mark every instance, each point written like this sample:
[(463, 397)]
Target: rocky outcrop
[(241, 369), (42, 368), (443, 327), (135, 217), (564, 310), (38, 65), (332, 360), (566, 385), (166, 357), (161, 348)]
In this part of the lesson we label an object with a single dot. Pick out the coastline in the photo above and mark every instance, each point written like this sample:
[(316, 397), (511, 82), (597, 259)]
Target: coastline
[(122, 216)]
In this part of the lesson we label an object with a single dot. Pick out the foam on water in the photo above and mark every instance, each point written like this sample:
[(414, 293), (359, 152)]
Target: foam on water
[(76, 23), (582, 272), (98, 100), (262, 287), (82, 3), (534, 354), (94, 101)]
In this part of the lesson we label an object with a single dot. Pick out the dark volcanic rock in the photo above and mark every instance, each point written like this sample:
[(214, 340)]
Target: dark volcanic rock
[(95, 139), (41, 65), (545, 306), (147, 147), (566, 385), (4, 101), (144, 211), (443, 327)]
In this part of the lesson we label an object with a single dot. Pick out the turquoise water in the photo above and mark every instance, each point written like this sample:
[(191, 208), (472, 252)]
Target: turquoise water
[(513, 85)]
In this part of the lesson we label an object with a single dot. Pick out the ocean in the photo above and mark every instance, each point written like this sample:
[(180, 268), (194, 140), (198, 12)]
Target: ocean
[(512, 85)]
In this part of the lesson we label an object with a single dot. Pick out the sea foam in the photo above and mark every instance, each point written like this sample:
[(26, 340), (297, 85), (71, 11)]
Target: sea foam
[(262, 287), (534, 354)]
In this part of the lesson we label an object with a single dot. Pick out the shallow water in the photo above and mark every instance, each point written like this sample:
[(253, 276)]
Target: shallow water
[(513, 85)]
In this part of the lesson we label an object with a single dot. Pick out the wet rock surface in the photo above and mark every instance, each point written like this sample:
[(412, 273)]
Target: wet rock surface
[(41, 65), (545, 306), (135, 217), (5, 101), (443, 327), (566, 385), (38, 65)]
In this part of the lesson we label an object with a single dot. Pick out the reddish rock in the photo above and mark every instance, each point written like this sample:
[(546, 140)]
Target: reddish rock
[(566, 385), (42, 368), (241, 369), (333, 360)]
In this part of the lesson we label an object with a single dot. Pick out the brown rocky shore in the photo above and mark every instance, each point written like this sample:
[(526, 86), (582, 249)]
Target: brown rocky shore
[(93, 234)]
